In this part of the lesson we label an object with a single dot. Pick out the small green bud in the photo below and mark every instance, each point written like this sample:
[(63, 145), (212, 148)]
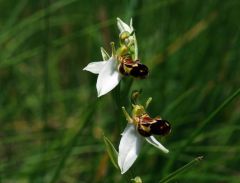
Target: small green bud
[(135, 95), (136, 180), (124, 35)]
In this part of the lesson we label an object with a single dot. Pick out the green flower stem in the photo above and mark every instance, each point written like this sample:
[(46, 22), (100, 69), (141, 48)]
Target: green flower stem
[(180, 170), (116, 95)]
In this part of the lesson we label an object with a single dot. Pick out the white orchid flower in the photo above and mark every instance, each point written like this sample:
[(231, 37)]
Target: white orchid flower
[(107, 70), (131, 140), (108, 75)]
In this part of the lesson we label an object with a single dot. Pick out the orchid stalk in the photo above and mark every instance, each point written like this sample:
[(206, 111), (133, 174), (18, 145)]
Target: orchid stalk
[(124, 62)]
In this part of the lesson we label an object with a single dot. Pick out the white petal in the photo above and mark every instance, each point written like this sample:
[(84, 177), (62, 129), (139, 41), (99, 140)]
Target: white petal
[(129, 148), (108, 77), (95, 67), (157, 144), (123, 26)]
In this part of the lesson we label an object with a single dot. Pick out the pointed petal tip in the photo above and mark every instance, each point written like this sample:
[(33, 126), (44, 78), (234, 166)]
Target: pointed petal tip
[(122, 171), (95, 67), (99, 95), (100, 92), (85, 68), (125, 166), (157, 144), (166, 151)]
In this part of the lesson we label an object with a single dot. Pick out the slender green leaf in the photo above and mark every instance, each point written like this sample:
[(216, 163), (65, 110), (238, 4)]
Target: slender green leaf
[(112, 152)]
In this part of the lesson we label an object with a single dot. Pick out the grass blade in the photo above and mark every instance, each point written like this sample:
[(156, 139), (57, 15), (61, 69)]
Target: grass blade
[(69, 147), (198, 130), (172, 175)]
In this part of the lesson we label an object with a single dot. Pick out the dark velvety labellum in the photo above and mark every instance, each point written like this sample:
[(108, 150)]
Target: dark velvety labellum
[(161, 127), (139, 71), (134, 68)]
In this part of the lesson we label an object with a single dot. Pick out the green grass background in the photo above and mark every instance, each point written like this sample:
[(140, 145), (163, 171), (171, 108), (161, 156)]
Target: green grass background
[(52, 122)]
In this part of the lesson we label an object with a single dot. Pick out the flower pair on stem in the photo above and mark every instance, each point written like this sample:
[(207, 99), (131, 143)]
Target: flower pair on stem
[(124, 62)]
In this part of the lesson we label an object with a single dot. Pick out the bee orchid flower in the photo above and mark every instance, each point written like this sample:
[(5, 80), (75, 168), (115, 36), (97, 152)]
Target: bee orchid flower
[(133, 136), (108, 70)]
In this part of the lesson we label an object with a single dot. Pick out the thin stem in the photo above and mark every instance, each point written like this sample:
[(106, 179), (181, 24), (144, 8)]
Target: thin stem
[(148, 102), (172, 175)]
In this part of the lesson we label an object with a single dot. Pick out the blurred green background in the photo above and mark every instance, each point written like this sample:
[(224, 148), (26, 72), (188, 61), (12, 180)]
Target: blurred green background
[(52, 122)]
